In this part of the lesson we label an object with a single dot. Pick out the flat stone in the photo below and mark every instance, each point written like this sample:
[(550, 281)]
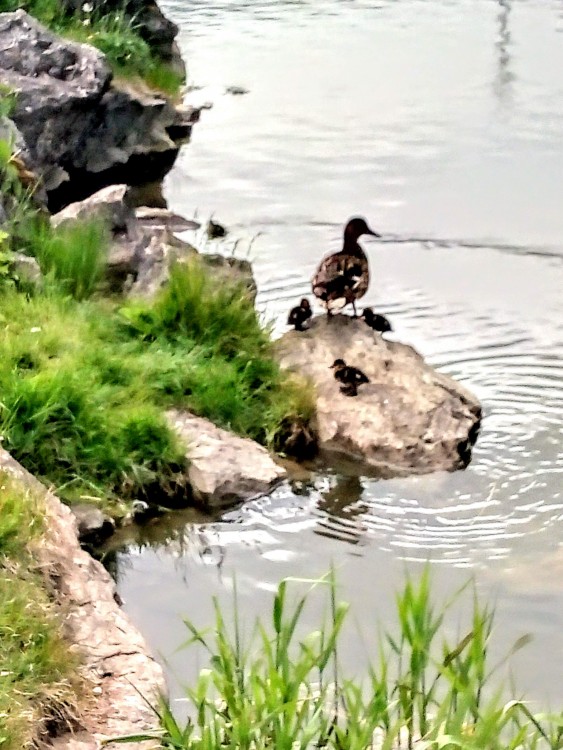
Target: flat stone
[(408, 419), (223, 468)]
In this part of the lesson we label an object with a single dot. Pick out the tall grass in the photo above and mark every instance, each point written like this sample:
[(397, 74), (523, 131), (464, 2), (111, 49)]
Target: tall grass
[(36, 667), (278, 688), (72, 256), (84, 384)]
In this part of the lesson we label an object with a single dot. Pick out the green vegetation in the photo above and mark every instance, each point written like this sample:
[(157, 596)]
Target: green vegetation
[(36, 692), (85, 384), (278, 689), (114, 33)]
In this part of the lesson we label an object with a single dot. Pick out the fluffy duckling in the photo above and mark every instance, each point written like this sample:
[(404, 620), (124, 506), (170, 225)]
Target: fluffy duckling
[(349, 377), (343, 277), (377, 322), (298, 316)]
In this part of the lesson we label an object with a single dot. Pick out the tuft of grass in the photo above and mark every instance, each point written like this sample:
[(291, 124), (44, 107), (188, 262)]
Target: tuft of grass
[(72, 256), (279, 688), (35, 677)]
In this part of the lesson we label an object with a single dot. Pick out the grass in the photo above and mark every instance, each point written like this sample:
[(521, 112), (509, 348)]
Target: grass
[(84, 383), (36, 691), (114, 33), (278, 689), (73, 256)]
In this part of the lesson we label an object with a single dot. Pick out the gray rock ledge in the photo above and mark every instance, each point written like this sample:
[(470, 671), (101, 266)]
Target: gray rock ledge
[(82, 130), (410, 419), (223, 468), (116, 662)]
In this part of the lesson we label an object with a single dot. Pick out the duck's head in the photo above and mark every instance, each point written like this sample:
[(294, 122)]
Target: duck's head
[(304, 304), (337, 364), (356, 227)]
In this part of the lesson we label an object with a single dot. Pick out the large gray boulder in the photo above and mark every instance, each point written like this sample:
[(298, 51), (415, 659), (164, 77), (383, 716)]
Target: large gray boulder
[(408, 419), (224, 469), (84, 131)]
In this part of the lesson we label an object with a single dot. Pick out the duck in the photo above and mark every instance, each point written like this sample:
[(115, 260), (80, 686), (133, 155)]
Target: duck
[(298, 316), (343, 277), (374, 320), (349, 377)]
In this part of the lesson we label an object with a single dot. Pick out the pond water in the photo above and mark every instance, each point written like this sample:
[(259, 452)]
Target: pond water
[(441, 121)]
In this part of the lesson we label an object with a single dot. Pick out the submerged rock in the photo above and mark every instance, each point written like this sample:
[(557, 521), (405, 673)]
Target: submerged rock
[(408, 419), (82, 130), (224, 469)]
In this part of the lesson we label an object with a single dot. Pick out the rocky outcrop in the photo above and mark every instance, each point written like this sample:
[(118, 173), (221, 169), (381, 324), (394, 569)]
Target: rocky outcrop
[(152, 25), (116, 664), (223, 469), (82, 130), (408, 419), (144, 244)]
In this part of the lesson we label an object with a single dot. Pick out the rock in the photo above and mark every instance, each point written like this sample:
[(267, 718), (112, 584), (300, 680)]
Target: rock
[(162, 218), (82, 130), (157, 30), (26, 269), (93, 526), (236, 90), (143, 243), (408, 419), (224, 469), (114, 656)]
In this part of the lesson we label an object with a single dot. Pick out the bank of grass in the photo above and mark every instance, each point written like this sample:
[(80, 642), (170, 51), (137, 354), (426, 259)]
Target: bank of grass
[(36, 684), (114, 33), (281, 688), (85, 381)]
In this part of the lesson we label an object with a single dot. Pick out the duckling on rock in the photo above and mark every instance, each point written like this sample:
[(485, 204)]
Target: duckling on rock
[(298, 316), (343, 277), (377, 322), (350, 377)]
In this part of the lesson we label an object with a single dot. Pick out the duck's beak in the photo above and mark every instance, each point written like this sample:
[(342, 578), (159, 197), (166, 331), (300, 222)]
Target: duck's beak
[(373, 234)]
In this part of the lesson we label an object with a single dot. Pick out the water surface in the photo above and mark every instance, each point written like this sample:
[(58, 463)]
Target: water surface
[(442, 123)]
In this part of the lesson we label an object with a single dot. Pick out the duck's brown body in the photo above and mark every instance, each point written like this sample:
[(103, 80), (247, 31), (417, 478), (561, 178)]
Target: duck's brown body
[(343, 277)]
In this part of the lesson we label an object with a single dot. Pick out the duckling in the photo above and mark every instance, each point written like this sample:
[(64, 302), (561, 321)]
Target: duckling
[(214, 230), (377, 322), (298, 316), (348, 375), (343, 277)]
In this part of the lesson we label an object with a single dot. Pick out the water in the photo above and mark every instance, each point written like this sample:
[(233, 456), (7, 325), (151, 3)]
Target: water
[(442, 123)]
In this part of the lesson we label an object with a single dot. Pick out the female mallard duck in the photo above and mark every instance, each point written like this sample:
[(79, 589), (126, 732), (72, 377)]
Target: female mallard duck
[(376, 321), (343, 277), (299, 315)]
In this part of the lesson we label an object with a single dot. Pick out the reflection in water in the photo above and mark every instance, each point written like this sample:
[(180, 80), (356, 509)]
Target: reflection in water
[(504, 78), (341, 506)]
